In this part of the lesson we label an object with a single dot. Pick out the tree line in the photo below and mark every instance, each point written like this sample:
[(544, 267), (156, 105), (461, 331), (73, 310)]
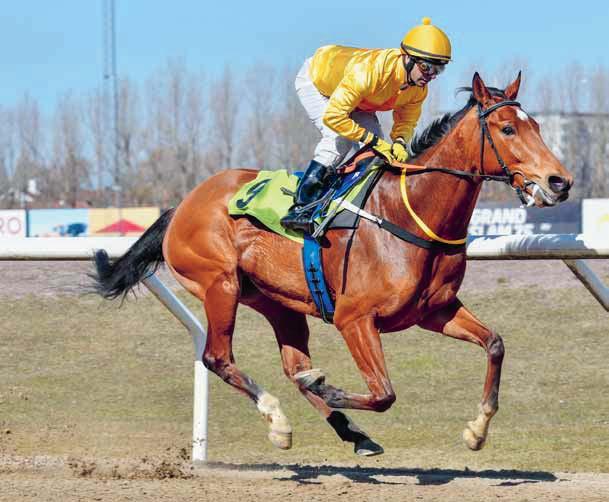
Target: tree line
[(181, 126)]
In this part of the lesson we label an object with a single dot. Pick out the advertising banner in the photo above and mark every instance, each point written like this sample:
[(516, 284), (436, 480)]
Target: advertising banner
[(125, 221), (496, 218), (58, 222), (13, 223), (595, 217)]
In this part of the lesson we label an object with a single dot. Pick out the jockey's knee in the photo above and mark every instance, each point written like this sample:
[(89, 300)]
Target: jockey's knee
[(331, 150)]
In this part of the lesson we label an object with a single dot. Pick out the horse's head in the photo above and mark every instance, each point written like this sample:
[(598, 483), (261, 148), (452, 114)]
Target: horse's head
[(514, 147)]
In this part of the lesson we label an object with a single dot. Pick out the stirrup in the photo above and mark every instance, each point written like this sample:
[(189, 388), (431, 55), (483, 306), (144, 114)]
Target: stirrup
[(298, 221)]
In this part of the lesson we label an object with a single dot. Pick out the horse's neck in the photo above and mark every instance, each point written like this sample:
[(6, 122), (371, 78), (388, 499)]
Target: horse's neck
[(444, 202)]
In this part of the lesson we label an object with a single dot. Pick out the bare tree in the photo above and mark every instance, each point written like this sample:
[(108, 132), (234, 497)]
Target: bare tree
[(224, 109), (130, 144), (507, 71), (175, 132), (8, 158), (432, 107), (571, 87), (295, 135), (599, 145), (98, 134), (260, 94), (546, 95), (29, 161), (184, 128), (69, 170)]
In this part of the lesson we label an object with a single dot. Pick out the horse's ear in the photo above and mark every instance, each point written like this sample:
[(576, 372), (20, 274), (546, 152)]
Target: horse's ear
[(511, 91), (480, 91)]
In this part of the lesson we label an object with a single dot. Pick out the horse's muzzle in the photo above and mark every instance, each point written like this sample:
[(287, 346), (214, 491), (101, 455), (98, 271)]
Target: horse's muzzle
[(559, 184)]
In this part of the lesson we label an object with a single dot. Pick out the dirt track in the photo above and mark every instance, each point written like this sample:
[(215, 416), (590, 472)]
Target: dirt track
[(55, 480), (18, 279), (64, 480)]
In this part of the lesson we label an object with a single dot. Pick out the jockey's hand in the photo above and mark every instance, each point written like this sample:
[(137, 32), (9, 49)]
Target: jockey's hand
[(399, 152), (391, 153), (384, 149)]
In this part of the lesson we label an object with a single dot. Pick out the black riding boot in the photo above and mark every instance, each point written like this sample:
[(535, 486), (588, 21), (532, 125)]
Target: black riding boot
[(309, 189)]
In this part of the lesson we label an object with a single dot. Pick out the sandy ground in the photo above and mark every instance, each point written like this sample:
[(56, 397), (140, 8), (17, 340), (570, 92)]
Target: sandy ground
[(69, 479), (65, 480), (18, 279)]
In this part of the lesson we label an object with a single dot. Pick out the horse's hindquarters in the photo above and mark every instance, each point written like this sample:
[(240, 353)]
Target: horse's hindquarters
[(199, 242)]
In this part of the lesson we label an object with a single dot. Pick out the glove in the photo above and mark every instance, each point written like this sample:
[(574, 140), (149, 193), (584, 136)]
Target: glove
[(383, 148), (399, 152), (391, 153)]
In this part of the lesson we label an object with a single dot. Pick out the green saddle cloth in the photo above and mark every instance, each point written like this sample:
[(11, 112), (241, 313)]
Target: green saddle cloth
[(264, 200)]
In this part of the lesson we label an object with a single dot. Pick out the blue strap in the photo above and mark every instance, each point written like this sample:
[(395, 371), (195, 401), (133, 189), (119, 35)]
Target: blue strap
[(311, 259)]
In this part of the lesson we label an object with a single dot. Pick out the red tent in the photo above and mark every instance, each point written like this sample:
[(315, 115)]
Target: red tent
[(121, 226)]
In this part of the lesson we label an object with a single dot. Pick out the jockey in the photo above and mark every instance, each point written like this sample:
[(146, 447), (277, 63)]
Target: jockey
[(341, 88)]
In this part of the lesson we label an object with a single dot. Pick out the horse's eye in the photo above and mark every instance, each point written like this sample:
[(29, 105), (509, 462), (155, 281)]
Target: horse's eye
[(508, 130)]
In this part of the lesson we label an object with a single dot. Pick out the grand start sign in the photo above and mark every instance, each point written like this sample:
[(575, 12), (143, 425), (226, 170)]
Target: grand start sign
[(509, 218), (13, 223)]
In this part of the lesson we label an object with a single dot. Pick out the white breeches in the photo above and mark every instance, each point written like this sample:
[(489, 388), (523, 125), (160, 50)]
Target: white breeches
[(332, 147)]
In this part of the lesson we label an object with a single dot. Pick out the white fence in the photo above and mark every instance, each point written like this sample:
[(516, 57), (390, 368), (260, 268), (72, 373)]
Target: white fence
[(572, 249)]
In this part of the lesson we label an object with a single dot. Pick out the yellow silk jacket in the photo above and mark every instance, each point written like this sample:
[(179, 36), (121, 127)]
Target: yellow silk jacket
[(368, 80)]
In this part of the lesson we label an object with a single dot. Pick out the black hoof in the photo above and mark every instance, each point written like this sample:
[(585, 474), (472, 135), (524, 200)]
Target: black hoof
[(368, 448)]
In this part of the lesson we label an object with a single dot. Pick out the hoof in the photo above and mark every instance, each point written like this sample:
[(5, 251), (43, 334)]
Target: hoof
[(281, 440), (472, 441), (310, 378), (368, 448)]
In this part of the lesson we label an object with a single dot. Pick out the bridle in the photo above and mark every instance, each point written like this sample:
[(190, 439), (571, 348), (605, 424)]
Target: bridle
[(485, 135), (436, 242)]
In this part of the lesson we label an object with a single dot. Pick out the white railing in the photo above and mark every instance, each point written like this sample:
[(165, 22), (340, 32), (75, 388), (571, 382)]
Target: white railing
[(570, 248), (82, 248)]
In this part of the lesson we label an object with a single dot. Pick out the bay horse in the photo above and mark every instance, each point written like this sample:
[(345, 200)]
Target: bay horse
[(391, 284)]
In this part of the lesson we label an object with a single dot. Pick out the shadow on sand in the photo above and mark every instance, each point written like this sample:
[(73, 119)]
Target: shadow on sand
[(306, 474)]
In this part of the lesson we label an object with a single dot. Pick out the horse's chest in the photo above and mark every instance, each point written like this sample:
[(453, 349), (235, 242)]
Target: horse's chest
[(427, 289)]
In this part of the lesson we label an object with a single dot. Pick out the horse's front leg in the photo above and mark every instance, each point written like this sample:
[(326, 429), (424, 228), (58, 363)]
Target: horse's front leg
[(456, 321), (364, 342)]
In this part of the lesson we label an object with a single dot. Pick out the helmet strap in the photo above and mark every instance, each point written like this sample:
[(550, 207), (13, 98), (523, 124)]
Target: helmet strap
[(408, 66)]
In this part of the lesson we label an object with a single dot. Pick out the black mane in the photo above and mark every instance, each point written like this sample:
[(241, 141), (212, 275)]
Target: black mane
[(434, 132)]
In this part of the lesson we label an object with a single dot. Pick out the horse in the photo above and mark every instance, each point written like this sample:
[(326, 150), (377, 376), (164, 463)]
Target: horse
[(380, 283)]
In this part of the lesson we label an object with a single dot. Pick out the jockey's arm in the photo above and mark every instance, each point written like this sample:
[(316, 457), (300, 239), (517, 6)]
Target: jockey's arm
[(350, 91), (405, 119)]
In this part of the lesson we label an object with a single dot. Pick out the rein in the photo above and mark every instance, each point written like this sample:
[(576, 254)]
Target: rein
[(439, 242), (485, 135)]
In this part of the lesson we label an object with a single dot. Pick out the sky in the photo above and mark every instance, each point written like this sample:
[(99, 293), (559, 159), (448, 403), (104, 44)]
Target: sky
[(50, 48)]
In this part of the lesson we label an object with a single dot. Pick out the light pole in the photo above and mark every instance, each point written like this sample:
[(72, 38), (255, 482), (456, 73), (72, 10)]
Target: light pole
[(111, 105)]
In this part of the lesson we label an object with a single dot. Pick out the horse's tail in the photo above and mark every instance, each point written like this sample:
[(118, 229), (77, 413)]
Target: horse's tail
[(117, 278)]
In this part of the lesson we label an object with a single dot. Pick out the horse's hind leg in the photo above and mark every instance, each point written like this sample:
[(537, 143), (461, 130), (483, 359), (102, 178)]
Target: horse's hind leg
[(220, 302), (292, 335), (458, 322)]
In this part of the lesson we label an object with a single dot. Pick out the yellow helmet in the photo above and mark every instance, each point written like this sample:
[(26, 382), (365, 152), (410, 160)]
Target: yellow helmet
[(428, 42)]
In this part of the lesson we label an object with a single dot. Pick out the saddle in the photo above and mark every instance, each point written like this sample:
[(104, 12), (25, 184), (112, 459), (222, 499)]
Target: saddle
[(269, 196), (360, 168)]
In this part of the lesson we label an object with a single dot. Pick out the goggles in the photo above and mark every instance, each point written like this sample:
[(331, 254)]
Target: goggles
[(429, 69)]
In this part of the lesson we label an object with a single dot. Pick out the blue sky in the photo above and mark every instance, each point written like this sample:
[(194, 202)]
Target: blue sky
[(49, 48)]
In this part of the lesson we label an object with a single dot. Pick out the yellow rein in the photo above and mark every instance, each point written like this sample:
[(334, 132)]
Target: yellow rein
[(416, 218), (404, 168)]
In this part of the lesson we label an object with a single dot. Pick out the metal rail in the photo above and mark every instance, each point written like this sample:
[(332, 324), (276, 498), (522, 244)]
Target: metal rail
[(570, 248)]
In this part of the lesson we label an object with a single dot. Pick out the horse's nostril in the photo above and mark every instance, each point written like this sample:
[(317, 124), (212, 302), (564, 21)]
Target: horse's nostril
[(558, 184)]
